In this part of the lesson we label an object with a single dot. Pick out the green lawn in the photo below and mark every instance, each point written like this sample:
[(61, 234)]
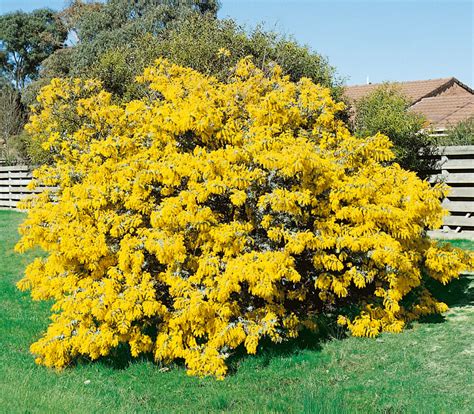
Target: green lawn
[(425, 369)]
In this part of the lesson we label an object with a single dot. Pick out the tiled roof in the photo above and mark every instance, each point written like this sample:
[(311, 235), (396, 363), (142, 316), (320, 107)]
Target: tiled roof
[(415, 90), (443, 102), (445, 110)]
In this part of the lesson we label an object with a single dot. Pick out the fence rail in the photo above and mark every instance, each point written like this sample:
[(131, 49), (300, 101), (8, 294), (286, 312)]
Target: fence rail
[(455, 166), (14, 180)]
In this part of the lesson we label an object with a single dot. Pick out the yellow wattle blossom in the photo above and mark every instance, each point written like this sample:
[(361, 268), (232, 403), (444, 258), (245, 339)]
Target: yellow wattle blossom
[(210, 215), (223, 52)]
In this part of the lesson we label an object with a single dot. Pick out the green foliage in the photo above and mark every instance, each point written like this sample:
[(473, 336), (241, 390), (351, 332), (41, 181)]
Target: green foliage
[(101, 27), (16, 145), (210, 46), (26, 39), (386, 110), (90, 19), (460, 134), (195, 42), (12, 119), (11, 111), (118, 68), (13, 152), (118, 39), (59, 64)]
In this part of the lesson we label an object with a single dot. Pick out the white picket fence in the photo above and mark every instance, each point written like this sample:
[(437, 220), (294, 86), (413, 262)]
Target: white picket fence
[(455, 167)]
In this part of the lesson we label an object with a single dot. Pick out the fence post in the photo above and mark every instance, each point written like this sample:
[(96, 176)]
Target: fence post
[(9, 177)]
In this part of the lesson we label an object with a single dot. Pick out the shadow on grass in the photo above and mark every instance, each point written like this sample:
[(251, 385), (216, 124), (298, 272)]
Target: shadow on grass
[(120, 358), (268, 350), (458, 293)]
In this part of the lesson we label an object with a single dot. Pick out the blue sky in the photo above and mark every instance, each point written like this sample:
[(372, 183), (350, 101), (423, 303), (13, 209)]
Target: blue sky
[(383, 39)]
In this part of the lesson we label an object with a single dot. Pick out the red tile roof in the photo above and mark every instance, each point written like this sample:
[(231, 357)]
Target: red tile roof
[(442, 105), (415, 90), (443, 111)]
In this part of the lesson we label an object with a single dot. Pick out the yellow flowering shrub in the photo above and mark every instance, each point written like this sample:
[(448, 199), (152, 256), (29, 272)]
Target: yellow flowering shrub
[(210, 215)]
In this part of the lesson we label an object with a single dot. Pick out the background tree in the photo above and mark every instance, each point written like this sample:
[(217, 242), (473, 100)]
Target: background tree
[(26, 39), (386, 110), (196, 41), (100, 27), (12, 119), (210, 46), (11, 115), (118, 39)]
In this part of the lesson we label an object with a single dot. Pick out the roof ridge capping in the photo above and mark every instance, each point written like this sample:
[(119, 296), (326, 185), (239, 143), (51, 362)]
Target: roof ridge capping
[(399, 82), (414, 90), (449, 82)]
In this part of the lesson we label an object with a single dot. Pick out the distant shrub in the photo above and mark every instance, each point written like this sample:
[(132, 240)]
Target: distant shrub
[(386, 110), (211, 214), (460, 134)]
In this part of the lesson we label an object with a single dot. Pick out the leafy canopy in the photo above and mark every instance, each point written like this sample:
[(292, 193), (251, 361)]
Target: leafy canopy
[(210, 46), (116, 41), (211, 214), (26, 39), (100, 27)]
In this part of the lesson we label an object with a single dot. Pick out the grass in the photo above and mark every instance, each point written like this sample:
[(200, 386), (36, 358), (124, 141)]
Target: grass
[(427, 368), (462, 244)]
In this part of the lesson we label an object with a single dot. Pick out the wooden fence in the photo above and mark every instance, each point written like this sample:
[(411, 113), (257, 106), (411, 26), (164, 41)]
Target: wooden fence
[(455, 166), (13, 182)]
